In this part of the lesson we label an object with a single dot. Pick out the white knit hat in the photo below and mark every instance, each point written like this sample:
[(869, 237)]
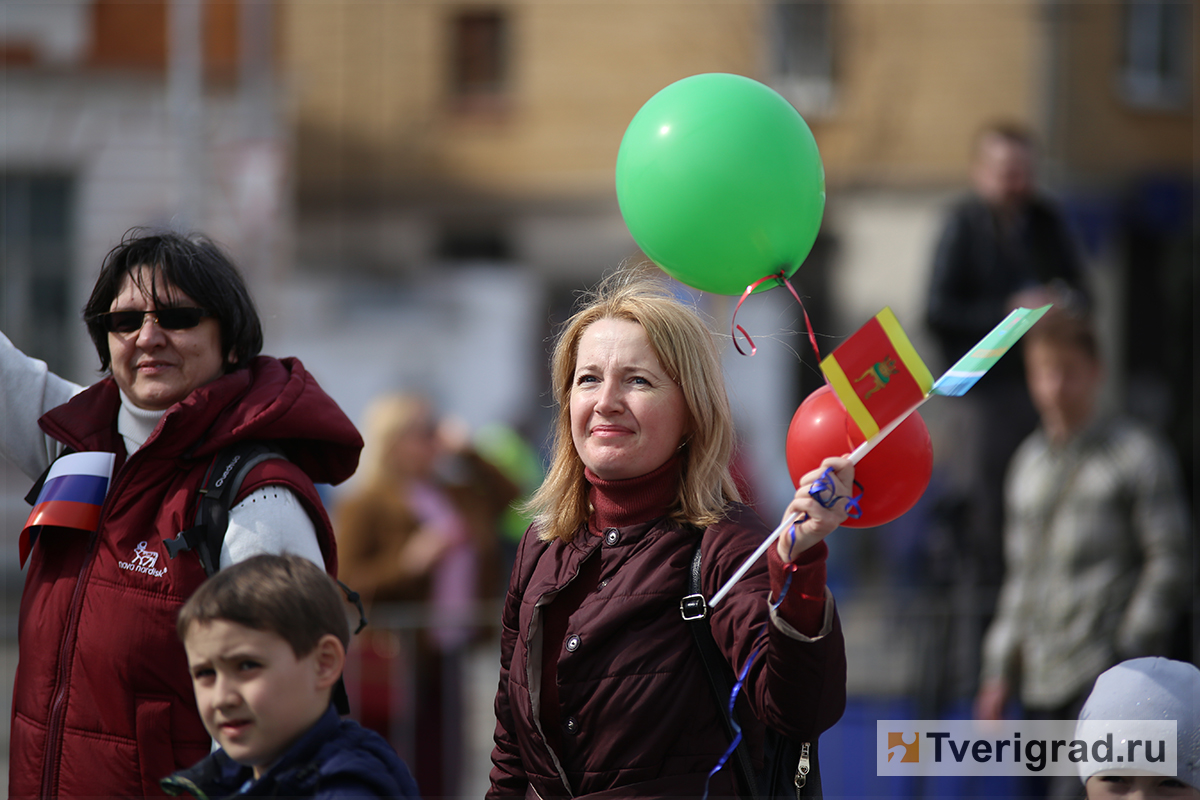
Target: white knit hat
[(1150, 689)]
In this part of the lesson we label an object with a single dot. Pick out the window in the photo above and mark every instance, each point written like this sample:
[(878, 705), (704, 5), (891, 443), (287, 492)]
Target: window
[(480, 241), (35, 266), (479, 57), (1155, 66), (801, 38)]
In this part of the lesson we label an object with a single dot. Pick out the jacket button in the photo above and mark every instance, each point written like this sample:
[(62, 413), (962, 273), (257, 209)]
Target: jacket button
[(572, 643), (612, 536), (572, 725)]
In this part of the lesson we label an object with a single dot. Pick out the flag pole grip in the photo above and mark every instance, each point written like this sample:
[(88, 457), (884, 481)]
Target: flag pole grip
[(854, 458)]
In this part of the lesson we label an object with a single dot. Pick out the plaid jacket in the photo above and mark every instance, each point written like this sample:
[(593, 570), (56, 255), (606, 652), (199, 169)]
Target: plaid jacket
[(1096, 557)]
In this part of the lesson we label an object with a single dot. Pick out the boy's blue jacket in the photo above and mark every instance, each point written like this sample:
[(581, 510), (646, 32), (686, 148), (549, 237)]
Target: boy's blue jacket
[(336, 758)]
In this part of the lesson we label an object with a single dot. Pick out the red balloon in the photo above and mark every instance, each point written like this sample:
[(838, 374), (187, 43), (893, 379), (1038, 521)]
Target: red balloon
[(893, 475)]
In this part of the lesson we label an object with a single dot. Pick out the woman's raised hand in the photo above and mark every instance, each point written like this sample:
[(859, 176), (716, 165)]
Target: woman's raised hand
[(815, 520)]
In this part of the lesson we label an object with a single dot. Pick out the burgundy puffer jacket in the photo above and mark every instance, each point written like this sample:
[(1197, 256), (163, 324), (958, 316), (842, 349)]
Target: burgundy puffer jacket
[(638, 716), (103, 703)]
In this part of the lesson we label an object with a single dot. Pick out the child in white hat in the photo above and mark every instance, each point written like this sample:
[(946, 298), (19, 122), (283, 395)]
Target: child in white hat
[(1147, 689)]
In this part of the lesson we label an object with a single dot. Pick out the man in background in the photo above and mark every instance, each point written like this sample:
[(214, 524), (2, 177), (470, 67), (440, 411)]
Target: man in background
[(1003, 246), (1095, 541)]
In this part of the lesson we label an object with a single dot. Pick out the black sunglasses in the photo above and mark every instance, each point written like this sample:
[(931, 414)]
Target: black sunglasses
[(171, 319)]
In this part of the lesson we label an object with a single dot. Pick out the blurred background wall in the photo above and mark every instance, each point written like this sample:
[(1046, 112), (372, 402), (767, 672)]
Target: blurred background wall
[(417, 190)]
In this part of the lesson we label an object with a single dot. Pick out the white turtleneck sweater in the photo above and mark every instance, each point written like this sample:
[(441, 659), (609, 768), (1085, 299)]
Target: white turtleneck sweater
[(269, 520)]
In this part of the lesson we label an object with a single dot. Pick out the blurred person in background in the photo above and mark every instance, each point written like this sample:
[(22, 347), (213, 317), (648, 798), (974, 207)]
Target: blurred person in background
[(602, 689), (421, 528), (1096, 540), (102, 703), (1002, 246), (510, 451)]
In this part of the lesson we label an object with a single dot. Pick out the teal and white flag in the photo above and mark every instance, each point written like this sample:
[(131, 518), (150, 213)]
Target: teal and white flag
[(983, 356)]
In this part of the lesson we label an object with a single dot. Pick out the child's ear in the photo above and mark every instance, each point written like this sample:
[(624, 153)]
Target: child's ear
[(330, 658)]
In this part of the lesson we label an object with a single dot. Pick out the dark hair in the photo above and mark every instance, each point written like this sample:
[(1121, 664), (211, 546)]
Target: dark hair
[(1064, 329), (1006, 130), (194, 265), (285, 594)]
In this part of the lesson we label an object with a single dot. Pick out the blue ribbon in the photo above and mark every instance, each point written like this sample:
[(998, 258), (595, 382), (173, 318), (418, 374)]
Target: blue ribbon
[(737, 729), (853, 507), (822, 489)]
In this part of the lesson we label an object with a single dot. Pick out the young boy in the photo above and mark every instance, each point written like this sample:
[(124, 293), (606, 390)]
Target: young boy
[(266, 642), (1147, 688), (1095, 537)]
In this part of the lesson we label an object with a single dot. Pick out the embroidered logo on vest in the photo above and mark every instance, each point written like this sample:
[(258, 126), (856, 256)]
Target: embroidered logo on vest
[(143, 561)]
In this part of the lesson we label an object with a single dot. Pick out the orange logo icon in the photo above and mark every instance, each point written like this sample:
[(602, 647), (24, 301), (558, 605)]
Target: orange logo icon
[(912, 751)]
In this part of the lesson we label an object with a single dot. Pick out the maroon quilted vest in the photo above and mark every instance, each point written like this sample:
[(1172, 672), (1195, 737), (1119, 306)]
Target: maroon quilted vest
[(103, 703)]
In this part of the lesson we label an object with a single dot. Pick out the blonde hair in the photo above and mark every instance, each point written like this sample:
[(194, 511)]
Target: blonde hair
[(386, 418), (687, 352)]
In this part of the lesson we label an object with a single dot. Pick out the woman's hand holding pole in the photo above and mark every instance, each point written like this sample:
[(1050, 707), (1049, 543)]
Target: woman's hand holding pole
[(808, 519)]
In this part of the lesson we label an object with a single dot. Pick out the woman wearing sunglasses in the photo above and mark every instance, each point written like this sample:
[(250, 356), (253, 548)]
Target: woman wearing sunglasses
[(102, 704)]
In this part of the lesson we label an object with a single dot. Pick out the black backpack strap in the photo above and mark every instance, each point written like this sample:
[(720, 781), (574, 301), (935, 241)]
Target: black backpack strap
[(341, 700), (218, 492), (694, 609), (355, 598), (222, 481)]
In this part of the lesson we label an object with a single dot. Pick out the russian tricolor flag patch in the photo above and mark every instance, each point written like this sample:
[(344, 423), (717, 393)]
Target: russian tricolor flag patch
[(71, 497)]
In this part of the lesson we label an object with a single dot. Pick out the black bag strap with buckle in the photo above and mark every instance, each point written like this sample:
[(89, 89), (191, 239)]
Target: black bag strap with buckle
[(218, 492), (778, 778), (222, 482)]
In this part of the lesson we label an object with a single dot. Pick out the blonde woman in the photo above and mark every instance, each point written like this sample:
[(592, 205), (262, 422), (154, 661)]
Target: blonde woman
[(602, 692), (408, 535)]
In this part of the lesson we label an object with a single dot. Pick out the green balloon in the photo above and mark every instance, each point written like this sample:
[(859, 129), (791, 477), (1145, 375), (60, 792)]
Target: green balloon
[(720, 182)]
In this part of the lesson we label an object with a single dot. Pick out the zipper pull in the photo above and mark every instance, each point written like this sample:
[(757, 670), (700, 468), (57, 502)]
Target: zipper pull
[(802, 768)]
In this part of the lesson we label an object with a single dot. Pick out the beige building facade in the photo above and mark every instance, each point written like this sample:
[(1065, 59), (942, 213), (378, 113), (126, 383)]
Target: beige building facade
[(438, 127), (431, 133), (374, 83)]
